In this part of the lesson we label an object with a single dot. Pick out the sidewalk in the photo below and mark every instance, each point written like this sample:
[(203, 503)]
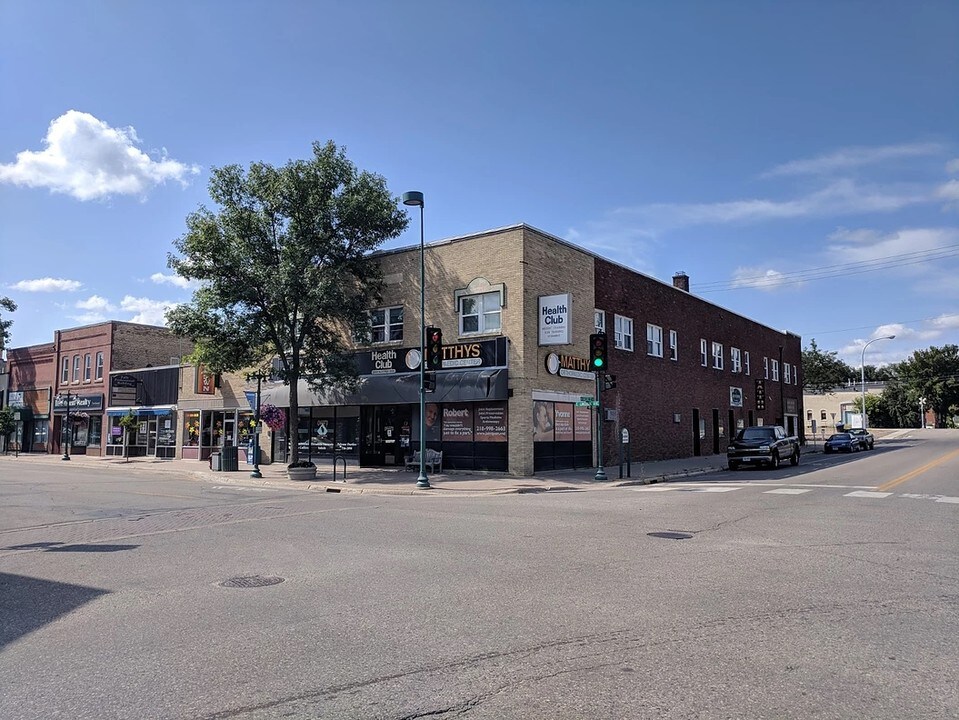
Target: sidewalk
[(393, 481)]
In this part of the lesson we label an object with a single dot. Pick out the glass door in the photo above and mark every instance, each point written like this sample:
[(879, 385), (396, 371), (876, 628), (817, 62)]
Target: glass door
[(386, 434), (152, 437)]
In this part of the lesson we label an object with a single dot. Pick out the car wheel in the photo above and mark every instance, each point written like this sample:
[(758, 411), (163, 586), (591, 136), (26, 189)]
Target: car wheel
[(872, 445), (775, 461), (733, 465), (794, 460)]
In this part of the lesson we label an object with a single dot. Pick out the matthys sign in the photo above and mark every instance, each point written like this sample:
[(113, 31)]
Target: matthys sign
[(555, 319)]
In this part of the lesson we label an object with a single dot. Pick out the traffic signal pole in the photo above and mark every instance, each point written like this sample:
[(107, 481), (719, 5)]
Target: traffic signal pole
[(600, 471)]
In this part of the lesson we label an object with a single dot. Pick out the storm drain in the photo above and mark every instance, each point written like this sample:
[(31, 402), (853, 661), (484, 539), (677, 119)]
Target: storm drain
[(670, 535), (252, 581)]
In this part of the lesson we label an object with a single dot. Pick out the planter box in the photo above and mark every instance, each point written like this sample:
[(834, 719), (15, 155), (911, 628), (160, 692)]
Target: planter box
[(307, 473)]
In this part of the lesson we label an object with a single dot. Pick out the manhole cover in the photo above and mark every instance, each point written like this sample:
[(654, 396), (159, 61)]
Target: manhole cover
[(252, 581), (670, 535)]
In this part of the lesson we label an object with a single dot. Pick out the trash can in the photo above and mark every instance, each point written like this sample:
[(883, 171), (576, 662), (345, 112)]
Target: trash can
[(231, 459), (215, 464)]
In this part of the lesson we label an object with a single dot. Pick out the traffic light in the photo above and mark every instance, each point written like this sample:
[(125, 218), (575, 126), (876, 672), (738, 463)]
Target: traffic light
[(434, 348), (429, 382), (609, 382), (760, 394), (597, 352)]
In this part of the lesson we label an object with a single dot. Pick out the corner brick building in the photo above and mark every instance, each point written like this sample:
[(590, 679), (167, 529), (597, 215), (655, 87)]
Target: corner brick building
[(517, 307)]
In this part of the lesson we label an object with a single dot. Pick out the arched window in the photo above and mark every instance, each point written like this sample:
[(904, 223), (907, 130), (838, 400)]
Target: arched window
[(822, 415)]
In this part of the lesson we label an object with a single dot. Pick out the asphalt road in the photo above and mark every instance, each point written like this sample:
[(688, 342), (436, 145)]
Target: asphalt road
[(830, 590)]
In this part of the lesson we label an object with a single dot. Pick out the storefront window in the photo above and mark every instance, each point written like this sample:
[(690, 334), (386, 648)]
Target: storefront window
[(95, 431), (116, 432), (191, 429), (166, 431), (40, 429)]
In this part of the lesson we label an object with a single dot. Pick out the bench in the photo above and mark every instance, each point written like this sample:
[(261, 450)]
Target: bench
[(434, 459)]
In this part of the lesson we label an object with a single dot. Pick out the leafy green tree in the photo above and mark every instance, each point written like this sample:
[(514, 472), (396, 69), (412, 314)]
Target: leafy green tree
[(875, 410), (823, 371), (7, 423), (898, 408), (10, 306), (933, 374), (284, 267)]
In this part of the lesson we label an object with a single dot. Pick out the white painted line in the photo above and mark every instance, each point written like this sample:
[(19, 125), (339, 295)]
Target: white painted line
[(842, 487), (954, 500), (865, 494), (919, 496), (713, 489), (787, 491), (655, 488)]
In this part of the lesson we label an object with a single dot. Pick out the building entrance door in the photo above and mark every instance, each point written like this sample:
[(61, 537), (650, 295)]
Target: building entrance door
[(152, 437), (386, 434)]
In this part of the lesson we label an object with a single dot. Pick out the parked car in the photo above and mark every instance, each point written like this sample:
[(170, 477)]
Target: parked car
[(866, 438), (763, 445), (842, 442)]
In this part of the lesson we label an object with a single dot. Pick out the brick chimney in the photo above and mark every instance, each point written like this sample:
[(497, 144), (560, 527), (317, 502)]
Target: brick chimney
[(681, 281)]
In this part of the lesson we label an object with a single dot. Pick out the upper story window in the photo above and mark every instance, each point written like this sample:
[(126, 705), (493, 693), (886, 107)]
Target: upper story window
[(735, 360), (654, 340), (746, 362), (775, 371), (87, 367), (703, 353), (787, 375), (99, 371), (386, 324), (765, 367), (599, 320), (673, 345), (624, 332), (822, 415), (65, 372), (480, 313), (718, 355), (76, 368)]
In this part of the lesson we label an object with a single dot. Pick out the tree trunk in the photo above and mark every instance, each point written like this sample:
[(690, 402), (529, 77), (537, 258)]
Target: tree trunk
[(293, 420)]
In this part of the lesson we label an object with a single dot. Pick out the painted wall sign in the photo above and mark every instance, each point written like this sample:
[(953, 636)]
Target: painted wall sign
[(555, 319), (563, 413), (568, 366)]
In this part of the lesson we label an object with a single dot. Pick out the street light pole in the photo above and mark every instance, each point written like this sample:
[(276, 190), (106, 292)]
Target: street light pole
[(415, 198), (862, 375), (66, 431), (258, 376)]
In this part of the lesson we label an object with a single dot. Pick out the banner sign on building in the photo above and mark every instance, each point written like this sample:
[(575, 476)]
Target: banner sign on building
[(490, 422), (555, 319), (78, 403), (205, 382), (15, 399), (457, 423), (389, 361), (569, 366), (735, 397)]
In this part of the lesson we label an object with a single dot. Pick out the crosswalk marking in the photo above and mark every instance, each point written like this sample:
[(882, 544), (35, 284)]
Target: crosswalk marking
[(867, 494), (948, 500), (792, 491), (713, 489), (787, 491)]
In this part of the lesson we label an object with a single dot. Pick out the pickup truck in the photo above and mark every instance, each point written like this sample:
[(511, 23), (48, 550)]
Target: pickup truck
[(762, 445)]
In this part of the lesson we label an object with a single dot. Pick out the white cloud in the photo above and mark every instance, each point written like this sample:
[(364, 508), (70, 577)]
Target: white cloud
[(47, 284), (950, 193), (850, 157), (95, 302), (180, 282), (841, 197), (864, 245), (952, 167), (758, 278), (147, 312), (89, 318), (87, 159), (946, 321)]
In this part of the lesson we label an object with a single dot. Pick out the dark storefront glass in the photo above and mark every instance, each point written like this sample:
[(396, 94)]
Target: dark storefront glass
[(562, 436)]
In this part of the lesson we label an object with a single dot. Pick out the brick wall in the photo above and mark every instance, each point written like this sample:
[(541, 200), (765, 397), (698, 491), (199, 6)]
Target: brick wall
[(136, 346)]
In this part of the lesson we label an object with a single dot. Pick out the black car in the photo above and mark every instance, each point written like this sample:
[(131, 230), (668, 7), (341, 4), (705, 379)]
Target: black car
[(842, 442), (866, 438)]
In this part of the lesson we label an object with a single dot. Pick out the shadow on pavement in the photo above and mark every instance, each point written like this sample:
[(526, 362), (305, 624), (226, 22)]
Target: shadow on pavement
[(27, 604)]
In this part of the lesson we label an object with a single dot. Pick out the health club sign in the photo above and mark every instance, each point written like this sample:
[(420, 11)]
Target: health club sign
[(555, 319)]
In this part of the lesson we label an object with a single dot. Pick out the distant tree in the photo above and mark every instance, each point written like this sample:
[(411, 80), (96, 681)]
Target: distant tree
[(284, 267), (932, 374), (898, 410), (875, 410), (7, 423), (10, 306), (823, 371), (877, 374)]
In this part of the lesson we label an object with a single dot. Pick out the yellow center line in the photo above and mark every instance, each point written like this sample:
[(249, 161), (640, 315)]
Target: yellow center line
[(918, 471)]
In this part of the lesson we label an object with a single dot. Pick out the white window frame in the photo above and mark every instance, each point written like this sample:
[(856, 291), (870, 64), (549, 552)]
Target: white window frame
[(599, 320), (787, 374), (654, 340), (65, 370), (87, 367), (391, 330), (735, 360), (704, 352), (98, 374), (673, 345), (717, 355), (76, 368), (489, 313), (746, 362), (775, 370), (623, 329), (765, 367)]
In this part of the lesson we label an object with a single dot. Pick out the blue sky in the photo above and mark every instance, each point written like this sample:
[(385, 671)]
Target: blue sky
[(800, 161)]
